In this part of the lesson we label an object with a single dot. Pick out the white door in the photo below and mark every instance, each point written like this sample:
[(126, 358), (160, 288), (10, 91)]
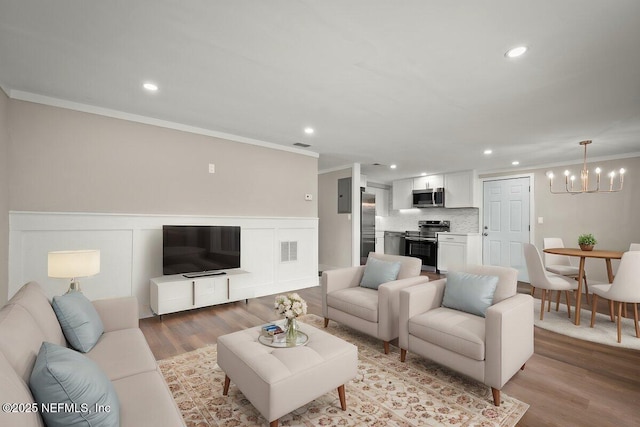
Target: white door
[(506, 223)]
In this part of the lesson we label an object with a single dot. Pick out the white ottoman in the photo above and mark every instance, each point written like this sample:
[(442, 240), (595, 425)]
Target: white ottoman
[(279, 380)]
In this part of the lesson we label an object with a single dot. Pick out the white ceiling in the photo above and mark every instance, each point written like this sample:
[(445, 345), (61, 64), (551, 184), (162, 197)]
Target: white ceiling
[(423, 84)]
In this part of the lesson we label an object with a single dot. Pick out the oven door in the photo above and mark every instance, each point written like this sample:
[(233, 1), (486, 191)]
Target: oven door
[(426, 250)]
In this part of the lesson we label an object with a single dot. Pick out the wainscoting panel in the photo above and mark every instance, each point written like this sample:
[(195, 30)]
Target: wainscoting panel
[(131, 252)]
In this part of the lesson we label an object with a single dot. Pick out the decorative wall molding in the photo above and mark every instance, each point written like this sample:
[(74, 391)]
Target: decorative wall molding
[(131, 251)]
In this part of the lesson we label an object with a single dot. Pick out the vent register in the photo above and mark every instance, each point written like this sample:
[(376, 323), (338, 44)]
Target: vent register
[(288, 251)]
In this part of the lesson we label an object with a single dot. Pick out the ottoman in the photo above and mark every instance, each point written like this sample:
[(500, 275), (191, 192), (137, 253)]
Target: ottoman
[(279, 380)]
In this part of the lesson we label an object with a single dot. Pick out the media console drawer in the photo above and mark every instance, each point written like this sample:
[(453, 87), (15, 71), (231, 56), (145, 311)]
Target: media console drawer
[(169, 294)]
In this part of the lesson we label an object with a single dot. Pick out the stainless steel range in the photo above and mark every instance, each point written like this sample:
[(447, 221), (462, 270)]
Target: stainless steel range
[(423, 244)]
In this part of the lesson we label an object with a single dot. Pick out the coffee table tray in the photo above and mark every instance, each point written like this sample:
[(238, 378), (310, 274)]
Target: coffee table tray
[(303, 339)]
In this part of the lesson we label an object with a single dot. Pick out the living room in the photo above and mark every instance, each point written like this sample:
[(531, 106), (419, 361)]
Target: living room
[(91, 172)]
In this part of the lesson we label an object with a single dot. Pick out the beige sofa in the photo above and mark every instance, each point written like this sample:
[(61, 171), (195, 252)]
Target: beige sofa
[(121, 352)]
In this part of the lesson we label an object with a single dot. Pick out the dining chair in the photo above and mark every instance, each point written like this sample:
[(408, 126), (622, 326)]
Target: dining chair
[(634, 247), (539, 278), (624, 289), (561, 264)]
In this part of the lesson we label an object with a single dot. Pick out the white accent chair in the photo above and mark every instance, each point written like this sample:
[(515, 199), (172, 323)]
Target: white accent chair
[(634, 247), (561, 264), (539, 278), (624, 289), (488, 349), (374, 312)]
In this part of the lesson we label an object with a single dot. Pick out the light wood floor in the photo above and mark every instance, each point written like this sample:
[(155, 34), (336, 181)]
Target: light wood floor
[(567, 382)]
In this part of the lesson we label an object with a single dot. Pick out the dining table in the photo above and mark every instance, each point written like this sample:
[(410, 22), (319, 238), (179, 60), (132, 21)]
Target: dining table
[(583, 255)]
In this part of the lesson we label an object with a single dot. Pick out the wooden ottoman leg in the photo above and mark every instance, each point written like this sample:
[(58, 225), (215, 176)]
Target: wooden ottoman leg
[(273, 423), (225, 390), (326, 322), (343, 399)]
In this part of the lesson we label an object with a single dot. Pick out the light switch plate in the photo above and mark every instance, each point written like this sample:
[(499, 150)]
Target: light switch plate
[(212, 168)]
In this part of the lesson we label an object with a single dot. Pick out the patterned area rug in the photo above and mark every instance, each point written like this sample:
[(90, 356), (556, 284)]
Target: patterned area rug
[(385, 392)]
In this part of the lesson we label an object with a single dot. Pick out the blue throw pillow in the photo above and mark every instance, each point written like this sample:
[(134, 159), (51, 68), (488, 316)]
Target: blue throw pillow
[(377, 272), (79, 320), (468, 292), (72, 390)]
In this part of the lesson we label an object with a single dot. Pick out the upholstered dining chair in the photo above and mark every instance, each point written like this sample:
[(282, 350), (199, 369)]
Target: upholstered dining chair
[(634, 247), (473, 322), (366, 298), (539, 278), (624, 289), (561, 264)]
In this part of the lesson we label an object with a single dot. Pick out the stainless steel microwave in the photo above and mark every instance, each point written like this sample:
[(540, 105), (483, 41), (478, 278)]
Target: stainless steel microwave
[(429, 198)]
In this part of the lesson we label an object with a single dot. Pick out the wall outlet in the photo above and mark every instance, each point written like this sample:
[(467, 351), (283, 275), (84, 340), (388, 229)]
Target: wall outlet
[(308, 197), (540, 220), (212, 168)]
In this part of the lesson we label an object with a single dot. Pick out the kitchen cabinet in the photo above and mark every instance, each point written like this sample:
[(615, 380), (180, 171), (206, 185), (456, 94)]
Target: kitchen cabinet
[(459, 189), (379, 242), (382, 200), (401, 194), (458, 249), (429, 181)]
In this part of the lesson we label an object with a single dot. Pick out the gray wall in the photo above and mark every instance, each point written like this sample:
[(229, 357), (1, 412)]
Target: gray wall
[(69, 161), (334, 229), (4, 198)]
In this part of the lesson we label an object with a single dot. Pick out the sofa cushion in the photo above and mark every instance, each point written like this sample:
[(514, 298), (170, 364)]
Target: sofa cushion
[(79, 319), (123, 353), (20, 339), (147, 401), (377, 272), (33, 299), (14, 390), (64, 376), (469, 292), (457, 331), (360, 302)]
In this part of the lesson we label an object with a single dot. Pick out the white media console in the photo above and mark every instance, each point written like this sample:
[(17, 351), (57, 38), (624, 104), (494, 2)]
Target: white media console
[(169, 294)]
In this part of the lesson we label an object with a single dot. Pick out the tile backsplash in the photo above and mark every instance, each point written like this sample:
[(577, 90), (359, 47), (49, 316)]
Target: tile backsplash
[(465, 220)]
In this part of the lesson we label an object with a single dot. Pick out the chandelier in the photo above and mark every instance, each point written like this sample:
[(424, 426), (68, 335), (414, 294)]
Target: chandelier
[(569, 180)]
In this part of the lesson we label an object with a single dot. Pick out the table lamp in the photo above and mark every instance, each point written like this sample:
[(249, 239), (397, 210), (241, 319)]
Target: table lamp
[(74, 264)]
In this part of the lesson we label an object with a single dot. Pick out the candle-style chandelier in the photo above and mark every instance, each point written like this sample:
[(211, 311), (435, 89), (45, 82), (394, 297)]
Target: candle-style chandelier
[(569, 179)]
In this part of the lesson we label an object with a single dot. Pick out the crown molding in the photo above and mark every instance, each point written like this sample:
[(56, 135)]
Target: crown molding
[(92, 109)]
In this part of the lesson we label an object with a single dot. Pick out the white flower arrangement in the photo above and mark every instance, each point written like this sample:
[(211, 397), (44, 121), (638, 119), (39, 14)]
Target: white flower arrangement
[(290, 306)]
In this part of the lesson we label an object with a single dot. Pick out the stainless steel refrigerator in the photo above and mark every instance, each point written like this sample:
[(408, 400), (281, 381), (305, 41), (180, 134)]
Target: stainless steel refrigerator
[(367, 225)]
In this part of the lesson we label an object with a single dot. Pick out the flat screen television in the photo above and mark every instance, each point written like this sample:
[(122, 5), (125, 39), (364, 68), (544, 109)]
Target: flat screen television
[(199, 249)]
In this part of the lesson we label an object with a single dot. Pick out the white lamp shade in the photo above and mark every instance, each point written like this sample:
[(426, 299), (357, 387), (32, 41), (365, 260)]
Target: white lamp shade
[(72, 264)]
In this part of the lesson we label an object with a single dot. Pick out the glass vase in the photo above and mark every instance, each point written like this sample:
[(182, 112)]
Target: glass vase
[(292, 330)]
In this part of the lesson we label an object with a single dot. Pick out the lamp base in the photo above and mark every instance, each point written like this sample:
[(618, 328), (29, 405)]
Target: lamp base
[(74, 287)]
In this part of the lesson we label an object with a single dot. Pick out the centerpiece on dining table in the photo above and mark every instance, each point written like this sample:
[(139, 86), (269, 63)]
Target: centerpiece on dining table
[(290, 306), (586, 242)]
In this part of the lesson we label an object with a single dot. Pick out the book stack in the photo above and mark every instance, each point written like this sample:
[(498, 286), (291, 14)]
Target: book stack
[(274, 331)]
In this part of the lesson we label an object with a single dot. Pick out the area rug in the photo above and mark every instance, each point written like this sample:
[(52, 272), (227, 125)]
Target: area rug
[(604, 331), (385, 392)]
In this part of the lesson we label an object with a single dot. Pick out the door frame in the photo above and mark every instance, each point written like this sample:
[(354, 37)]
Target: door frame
[(532, 222)]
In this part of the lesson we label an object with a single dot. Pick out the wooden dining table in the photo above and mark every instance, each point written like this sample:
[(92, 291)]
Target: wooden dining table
[(577, 252)]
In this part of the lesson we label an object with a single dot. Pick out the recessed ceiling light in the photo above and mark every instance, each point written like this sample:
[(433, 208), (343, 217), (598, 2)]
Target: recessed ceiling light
[(423, 174), (308, 131), (151, 87), (516, 52), (393, 166), (488, 152), (515, 163)]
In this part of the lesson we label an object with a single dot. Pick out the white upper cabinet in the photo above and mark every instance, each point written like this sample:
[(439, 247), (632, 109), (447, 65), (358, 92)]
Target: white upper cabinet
[(401, 193), (382, 200), (430, 181), (459, 190)]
